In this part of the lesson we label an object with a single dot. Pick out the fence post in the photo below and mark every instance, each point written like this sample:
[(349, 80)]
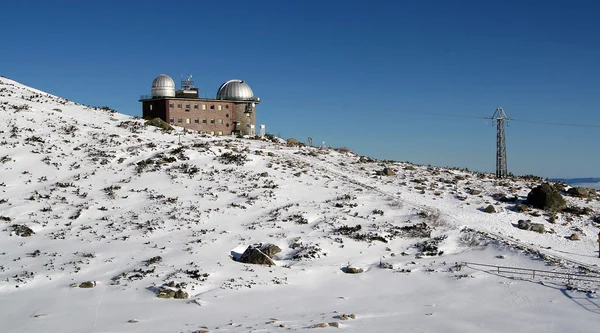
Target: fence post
[(498, 269), (533, 275)]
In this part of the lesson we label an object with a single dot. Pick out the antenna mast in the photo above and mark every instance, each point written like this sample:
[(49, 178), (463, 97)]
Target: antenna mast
[(501, 169)]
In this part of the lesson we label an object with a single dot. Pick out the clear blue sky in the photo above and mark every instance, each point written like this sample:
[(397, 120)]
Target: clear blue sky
[(361, 74)]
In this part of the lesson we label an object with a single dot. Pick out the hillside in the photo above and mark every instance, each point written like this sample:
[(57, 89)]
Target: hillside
[(91, 195)]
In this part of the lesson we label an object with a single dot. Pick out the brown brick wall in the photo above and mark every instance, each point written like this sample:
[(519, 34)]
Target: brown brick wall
[(185, 110), (223, 119)]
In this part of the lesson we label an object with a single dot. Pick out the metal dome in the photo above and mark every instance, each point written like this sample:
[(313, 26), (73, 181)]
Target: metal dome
[(235, 90), (163, 86)]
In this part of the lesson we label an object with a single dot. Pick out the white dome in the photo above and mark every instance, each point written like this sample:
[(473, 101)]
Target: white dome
[(163, 86), (235, 90)]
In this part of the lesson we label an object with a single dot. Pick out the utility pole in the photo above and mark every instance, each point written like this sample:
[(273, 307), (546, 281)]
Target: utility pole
[(501, 169)]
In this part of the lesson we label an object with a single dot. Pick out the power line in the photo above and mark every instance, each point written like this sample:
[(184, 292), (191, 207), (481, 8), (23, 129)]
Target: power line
[(511, 119)]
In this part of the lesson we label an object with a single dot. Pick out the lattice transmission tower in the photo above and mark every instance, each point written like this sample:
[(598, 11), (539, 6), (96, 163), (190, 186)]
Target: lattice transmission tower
[(501, 169)]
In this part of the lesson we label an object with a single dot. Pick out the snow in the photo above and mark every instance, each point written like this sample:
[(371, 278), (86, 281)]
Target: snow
[(72, 174)]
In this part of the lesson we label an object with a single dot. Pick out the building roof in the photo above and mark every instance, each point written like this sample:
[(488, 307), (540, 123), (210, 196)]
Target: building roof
[(235, 90)]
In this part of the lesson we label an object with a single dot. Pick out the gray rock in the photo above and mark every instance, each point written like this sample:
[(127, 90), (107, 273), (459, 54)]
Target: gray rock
[(579, 192), (87, 284), (352, 270), (166, 293), (574, 237), (546, 197), (490, 209), (524, 225), (253, 255), (334, 324), (388, 172), (521, 208), (180, 294), (21, 230), (538, 227), (270, 250), (475, 192)]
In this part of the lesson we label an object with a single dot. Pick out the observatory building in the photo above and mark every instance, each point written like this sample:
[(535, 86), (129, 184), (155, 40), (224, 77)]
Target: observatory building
[(232, 111)]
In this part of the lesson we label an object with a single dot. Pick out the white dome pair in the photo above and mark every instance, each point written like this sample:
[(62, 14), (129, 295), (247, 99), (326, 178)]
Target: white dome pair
[(164, 86)]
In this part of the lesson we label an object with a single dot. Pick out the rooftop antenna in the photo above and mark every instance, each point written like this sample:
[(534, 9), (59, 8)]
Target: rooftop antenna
[(188, 83), (501, 169)]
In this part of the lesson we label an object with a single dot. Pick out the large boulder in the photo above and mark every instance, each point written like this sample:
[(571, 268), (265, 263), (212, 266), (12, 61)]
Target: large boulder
[(524, 224), (490, 209), (547, 198), (538, 227), (270, 250), (254, 255), (579, 192)]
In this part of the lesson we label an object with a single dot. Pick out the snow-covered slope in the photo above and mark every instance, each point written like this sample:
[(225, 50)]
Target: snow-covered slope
[(91, 195)]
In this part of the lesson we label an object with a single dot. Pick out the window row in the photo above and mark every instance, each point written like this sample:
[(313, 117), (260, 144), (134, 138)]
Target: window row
[(197, 121), (197, 106)]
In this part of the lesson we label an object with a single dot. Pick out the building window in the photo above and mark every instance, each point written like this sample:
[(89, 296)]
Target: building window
[(227, 124), (212, 107), (204, 121), (212, 133), (171, 120), (196, 121), (219, 133), (203, 106), (187, 120), (179, 120), (187, 106), (179, 106), (171, 105), (227, 115), (220, 121), (227, 106), (212, 121), (219, 107), (150, 107), (195, 106)]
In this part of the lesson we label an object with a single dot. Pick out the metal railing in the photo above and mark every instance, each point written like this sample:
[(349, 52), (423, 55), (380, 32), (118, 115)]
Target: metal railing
[(535, 273)]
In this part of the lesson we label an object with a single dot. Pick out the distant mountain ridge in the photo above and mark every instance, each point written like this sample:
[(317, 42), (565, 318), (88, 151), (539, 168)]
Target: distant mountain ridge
[(577, 180)]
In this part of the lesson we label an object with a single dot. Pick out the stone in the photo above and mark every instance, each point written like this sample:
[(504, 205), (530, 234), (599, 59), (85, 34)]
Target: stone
[(574, 237), (87, 284), (352, 270), (21, 230), (180, 294), (475, 192), (253, 255), (579, 192), (538, 227), (490, 209), (264, 174), (166, 293), (157, 122), (270, 250), (334, 324), (521, 208), (320, 325), (388, 172), (524, 224), (547, 198)]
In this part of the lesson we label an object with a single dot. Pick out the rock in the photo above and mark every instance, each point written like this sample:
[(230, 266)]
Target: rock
[(264, 174), (320, 325), (157, 122), (490, 209), (166, 293), (579, 192), (87, 284), (574, 237), (270, 250), (346, 316), (475, 192), (334, 324), (521, 208), (21, 230), (253, 255), (133, 321), (538, 227), (524, 225), (546, 197), (352, 270), (388, 172), (180, 294)]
